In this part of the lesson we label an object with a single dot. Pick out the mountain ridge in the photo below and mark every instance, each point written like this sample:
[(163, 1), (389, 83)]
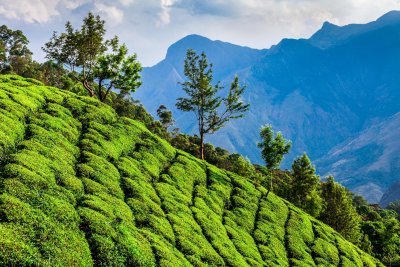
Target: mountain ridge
[(341, 33)]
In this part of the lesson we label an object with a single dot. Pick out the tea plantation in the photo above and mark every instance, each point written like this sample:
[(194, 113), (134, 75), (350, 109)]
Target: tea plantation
[(80, 186)]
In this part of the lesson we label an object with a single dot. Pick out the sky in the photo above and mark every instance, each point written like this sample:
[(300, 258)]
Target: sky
[(149, 27)]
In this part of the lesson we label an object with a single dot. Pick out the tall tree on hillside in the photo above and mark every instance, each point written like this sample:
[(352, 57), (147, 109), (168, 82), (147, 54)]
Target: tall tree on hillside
[(100, 65), (305, 185), (273, 148), (338, 210), (165, 116), (15, 56), (212, 111)]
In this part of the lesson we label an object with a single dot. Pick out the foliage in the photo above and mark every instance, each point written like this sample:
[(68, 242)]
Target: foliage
[(380, 229), (128, 107), (305, 184), (273, 148), (283, 182), (165, 116), (338, 211), (395, 206), (385, 238), (82, 186), (100, 65), (203, 97), (15, 55), (215, 155)]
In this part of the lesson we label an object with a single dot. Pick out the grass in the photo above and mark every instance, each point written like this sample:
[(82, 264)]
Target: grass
[(81, 186)]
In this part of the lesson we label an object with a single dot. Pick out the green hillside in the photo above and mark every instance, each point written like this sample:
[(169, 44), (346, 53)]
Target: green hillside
[(81, 186)]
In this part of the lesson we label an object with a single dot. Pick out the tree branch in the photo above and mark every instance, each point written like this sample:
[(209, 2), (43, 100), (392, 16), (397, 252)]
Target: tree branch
[(108, 90)]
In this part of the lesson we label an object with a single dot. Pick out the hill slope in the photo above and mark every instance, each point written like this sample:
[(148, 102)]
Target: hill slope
[(379, 165), (319, 91), (81, 186)]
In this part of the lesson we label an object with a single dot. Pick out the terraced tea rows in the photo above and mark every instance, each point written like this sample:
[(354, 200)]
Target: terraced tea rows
[(81, 186)]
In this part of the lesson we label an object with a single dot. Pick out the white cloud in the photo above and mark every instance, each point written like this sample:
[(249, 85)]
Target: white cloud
[(36, 11), (260, 23), (111, 14), (148, 27), (286, 10), (164, 16), (126, 2), (42, 11), (32, 11), (72, 4)]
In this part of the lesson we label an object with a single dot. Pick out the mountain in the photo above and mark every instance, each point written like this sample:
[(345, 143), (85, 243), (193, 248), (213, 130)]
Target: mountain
[(320, 92), (331, 34), (81, 187), (391, 195), (374, 153)]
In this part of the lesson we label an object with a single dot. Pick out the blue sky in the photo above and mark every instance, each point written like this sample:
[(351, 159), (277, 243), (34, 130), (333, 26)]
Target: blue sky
[(148, 27)]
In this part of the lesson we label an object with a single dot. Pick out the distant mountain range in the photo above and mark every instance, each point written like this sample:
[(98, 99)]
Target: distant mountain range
[(336, 95)]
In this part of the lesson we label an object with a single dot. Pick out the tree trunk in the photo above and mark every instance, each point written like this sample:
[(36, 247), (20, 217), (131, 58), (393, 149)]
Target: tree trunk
[(88, 88), (201, 145)]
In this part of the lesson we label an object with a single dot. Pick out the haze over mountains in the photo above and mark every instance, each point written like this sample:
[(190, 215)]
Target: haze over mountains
[(335, 95)]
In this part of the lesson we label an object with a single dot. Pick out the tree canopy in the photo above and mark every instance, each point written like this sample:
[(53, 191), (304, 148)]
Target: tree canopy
[(273, 148), (165, 116), (100, 65), (338, 210), (305, 184), (212, 111), (14, 52)]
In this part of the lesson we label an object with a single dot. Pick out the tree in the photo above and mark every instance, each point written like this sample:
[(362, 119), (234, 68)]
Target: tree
[(385, 238), (272, 149), (305, 185), (100, 65), (165, 116), (212, 111), (391, 241), (186, 143), (338, 211), (394, 206), (15, 56), (241, 166)]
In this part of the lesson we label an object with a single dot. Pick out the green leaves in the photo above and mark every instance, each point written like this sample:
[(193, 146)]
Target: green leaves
[(304, 186), (273, 148), (165, 116), (338, 210), (100, 65), (116, 70), (14, 52), (212, 111)]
